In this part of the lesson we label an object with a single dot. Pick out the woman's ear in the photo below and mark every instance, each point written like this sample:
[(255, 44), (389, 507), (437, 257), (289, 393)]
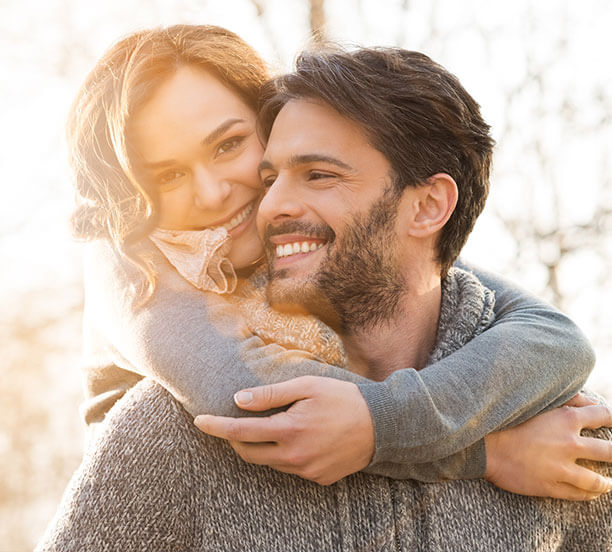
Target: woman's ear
[(433, 204)]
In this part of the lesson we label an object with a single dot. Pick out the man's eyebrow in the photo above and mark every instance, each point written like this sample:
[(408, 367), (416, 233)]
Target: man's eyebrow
[(297, 160), (206, 141)]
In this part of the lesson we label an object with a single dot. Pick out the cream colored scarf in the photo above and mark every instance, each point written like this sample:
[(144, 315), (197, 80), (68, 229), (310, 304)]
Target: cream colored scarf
[(200, 257), (466, 309)]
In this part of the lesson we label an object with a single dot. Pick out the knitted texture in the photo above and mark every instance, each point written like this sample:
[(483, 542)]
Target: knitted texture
[(292, 331), (199, 256), (466, 310), (152, 481)]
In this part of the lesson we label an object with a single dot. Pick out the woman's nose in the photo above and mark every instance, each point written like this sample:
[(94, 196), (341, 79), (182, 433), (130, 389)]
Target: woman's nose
[(210, 190)]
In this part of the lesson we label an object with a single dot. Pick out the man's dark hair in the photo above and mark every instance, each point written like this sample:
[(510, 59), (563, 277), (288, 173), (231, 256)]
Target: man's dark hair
[(412, 110)]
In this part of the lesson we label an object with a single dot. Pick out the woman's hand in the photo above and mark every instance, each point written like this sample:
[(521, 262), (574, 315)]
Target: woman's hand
[(538, 457), (326, 434)]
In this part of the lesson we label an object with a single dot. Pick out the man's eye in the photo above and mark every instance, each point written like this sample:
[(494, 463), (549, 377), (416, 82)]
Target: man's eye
[(317, 175), (229, 145)]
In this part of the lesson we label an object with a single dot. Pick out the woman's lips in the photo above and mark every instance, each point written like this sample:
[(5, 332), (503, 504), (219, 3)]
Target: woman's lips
[(236, 219)]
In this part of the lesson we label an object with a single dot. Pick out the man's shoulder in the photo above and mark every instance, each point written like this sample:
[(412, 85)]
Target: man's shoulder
[(147, 413), (134, 484)]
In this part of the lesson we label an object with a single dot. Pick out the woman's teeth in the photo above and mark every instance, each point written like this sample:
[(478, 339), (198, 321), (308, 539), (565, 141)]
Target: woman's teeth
[(238, 219), (298, 247)]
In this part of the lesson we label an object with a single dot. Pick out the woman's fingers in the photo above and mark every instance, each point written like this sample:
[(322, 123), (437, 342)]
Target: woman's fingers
[(581, 399), (566, 491), (258, 453), (587, 480), (598, 450), (594, 416), (248, 430), (274, 395)]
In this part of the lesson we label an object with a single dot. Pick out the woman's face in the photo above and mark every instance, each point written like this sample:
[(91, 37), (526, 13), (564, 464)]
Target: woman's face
[(196, 144)]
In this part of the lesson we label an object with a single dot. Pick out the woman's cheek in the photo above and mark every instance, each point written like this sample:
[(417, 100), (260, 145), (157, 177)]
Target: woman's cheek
[(246, 250), (174, 210), (250, 165)]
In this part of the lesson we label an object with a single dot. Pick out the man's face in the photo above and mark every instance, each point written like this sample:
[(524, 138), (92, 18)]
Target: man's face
[(329, 218)]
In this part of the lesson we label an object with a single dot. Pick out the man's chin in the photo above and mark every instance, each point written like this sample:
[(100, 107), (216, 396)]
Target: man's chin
[(302, 297), (284, 294)]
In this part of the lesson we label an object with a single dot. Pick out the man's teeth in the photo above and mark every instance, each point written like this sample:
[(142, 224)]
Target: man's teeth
[(288, 249), (238, 218)]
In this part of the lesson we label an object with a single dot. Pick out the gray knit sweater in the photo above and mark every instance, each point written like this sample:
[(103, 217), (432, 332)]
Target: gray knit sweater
[(198, 347), (152, 481)]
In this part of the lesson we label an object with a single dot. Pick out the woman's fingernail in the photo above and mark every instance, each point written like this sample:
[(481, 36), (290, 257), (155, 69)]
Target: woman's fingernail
[(243, 398)]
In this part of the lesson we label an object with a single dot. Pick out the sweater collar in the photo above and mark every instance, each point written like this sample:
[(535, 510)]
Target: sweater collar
[(466, 310)]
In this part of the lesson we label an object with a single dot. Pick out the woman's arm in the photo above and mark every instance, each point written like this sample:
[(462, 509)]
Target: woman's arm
[(195, 344), (531, 359), (419, 417)]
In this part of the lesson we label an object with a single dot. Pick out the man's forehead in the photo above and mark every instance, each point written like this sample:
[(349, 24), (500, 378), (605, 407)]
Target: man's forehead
[(309, 127)]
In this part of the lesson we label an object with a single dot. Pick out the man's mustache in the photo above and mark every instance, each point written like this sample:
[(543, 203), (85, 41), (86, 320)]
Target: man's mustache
[(321, 231)]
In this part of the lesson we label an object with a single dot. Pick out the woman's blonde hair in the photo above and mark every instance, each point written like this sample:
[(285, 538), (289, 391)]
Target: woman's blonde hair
[(111, 203)]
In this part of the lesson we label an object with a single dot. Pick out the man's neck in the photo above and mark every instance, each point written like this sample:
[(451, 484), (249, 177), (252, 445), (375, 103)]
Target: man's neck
[(402, 342)]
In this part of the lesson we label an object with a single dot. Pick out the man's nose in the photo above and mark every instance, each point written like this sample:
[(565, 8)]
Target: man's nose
[(281, 201), (210, 190)]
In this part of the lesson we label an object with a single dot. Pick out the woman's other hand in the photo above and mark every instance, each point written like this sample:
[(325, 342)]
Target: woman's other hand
[(538, 457)]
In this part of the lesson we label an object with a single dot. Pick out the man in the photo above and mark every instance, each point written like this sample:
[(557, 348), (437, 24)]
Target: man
[(383, 220), (367, 180)]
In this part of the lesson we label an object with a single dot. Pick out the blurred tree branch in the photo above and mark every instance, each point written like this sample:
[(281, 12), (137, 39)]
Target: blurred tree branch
[(268, 28), (318, 21), (545, 229)]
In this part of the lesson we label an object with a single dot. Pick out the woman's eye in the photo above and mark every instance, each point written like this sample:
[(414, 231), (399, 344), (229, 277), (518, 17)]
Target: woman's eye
[(268, 181), (229, 145), (170, 177)]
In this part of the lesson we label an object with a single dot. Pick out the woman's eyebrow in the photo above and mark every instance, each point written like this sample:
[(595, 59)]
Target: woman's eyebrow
[(206, 141), (217, 132)]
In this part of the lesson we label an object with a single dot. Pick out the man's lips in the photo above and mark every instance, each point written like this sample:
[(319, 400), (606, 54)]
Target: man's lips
[(296, 238), (287, 245)]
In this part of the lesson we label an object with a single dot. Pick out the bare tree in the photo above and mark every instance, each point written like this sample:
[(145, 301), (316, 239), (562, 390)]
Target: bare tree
[(554, 237), (318, 21)]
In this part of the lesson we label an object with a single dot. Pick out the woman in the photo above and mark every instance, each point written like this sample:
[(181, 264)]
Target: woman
[(165, 151)]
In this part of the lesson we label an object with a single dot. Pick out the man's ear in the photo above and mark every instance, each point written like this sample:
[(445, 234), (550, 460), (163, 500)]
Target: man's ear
[(433, 204)]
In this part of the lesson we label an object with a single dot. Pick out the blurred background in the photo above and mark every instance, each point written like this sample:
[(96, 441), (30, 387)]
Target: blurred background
[(540, 70)]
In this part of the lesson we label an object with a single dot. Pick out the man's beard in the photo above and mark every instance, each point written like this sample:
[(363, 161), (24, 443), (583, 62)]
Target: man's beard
[(359, 283)]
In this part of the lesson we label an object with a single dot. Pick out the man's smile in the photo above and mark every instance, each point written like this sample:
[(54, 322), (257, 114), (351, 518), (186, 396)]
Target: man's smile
[(289, 250), (294, 241), (296, 247)]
